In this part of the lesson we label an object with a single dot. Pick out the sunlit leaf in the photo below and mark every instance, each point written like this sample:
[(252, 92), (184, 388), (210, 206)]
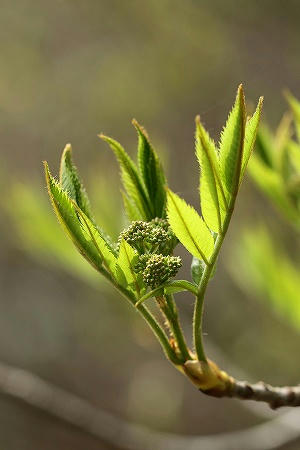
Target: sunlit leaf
[(212, 196), (231, 145), (189, 227), (151, 172), (131, 179), (250, 136), (70, 182), (126, 261), (67, 216)]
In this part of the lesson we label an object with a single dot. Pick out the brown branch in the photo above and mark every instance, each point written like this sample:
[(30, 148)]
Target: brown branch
[(214, 382), (260, 392)]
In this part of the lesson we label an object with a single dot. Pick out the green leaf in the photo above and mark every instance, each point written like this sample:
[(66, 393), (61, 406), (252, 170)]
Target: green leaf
[(197, 269), (264, 145), (131, 209), (294, 154), (92, 233), (131, 179), (250, 136), (172, 287), (126, 261), (295, 107), (67, 216), (70, 182), (189, 227), (231, 145), (152, 173), (264, 270), (212, 196), (271, 183), (154, 293)]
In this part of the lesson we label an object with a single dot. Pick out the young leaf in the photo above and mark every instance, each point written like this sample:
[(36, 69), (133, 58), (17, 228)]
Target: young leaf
[(126, 261), (172, 287), (212, 196), (152, 173), (189, 228), (93, 235), (272, 184), (250, 136), (295, 107), (131, 209), (231, 145), (197, 269), (131, 179), (153, 293), (67, 216), (70, 182), (264, 145)]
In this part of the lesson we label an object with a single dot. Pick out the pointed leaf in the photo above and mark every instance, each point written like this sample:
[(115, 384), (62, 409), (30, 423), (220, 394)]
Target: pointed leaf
[(189, 228), (152, 173), (295, 107), (131, 209), (172, 287), (126, 261), (154, 293), (264, 145), (231, 145), (67, 216), (250, 136), (197, 269), (70, 182), (212, 196), (131, 179), (93, 235)]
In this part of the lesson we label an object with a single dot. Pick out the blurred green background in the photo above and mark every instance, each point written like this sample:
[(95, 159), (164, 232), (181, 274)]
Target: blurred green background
[(72, 69)]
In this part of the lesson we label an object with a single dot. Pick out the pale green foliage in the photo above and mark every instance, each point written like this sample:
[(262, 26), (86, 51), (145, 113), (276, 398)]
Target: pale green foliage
[(67, 216), (212, 195), (259, 263), (231, 144), (189, 227), (250, 136), (126, 262), (70, 182), (141, 264), (151, 172), (144, 197), (265, 271), (295, 106), (275, 166)]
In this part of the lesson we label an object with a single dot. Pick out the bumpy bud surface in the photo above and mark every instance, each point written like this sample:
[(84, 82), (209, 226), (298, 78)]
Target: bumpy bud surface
[(160, 269), (150, 237)]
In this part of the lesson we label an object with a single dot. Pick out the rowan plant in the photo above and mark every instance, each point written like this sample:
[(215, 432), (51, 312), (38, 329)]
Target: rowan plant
[(142, 265)]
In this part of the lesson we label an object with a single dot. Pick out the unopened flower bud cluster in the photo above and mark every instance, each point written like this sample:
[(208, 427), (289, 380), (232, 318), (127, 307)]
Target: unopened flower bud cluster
[(154, 241)]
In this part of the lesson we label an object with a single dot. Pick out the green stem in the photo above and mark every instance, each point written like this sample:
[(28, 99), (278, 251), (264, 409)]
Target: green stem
[(198, 310), (150, 319), (173, 319)]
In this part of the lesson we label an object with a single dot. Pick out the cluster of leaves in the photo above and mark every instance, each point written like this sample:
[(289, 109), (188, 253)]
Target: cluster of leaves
[(265, 269), (143, 256), (221, 171), (275, 167)]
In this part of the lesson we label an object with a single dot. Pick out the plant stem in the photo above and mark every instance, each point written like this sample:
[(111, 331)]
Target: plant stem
[(173, 319), (198, 310), (150, 319)]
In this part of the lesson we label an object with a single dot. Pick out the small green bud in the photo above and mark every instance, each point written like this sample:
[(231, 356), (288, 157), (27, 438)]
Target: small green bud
[(160, 269), (150, 237)]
